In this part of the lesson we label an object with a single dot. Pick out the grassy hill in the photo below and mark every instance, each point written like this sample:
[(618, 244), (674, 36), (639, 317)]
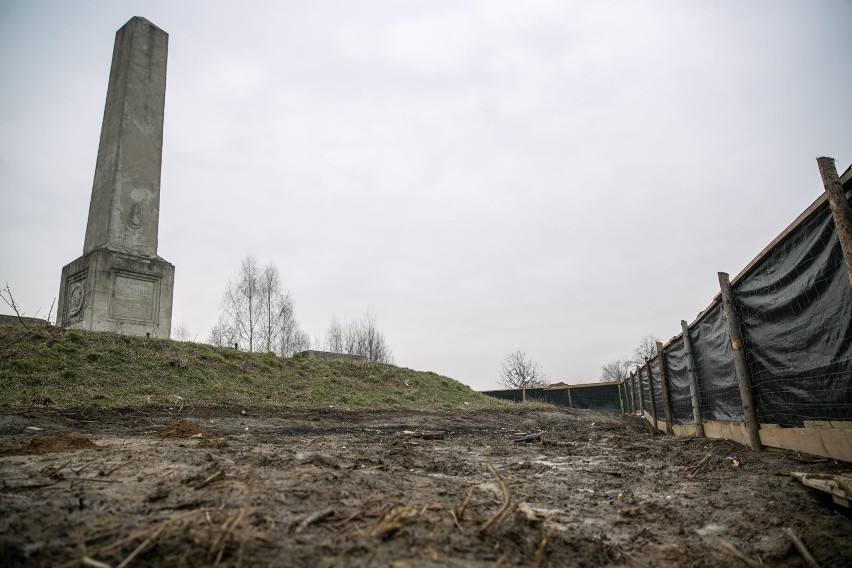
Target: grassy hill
[(78, 369)]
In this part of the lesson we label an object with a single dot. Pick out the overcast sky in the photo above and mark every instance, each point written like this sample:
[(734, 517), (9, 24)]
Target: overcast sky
[(560, 177)]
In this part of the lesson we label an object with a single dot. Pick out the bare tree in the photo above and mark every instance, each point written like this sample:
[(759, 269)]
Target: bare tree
[(646, 348), (223, 334), (181, 332), (257, 314), (276, 308), (616, 371), (334, 337), (520, 372), (293, 339), (373, 342), (242, 303), (359, 337)]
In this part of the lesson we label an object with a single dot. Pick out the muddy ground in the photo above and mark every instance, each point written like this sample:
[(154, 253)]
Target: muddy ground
[(317, 488)]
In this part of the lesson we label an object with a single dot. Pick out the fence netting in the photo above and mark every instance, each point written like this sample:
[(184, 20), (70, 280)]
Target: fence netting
[(656, 388), (643, 389), (605, 397), (677, 379), (795, 312), (719, 394)]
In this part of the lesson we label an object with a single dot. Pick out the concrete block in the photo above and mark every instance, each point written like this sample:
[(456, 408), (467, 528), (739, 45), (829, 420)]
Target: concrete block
[(111, 291)]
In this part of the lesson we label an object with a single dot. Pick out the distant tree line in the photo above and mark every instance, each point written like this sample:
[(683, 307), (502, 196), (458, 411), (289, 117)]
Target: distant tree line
[(258, 315)]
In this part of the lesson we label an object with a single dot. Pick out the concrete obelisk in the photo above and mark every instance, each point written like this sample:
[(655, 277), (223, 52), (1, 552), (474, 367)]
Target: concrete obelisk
[(120, 284)]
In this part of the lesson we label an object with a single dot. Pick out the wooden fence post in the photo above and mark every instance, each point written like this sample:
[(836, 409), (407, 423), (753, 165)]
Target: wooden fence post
[(651, 391), (667, 409), (629, 383), (693, 381), (570, 401), (639, 391), (740, 363), (840, 209)]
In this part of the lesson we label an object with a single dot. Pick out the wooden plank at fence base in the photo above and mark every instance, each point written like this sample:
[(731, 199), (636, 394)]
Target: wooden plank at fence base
[(829, 424), (684, 430), (834, 444), (735, 431)]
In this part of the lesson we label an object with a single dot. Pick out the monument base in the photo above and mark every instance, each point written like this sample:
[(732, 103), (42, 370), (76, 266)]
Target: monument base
[(106, 290)]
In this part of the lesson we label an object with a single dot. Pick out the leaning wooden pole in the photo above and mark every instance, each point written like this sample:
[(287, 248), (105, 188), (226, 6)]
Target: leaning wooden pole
[(840, 209), (651, 392), (740, 363), (693, 381), (664, 387)]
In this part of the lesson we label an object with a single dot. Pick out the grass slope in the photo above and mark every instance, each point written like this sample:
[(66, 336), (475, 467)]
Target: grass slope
[(79, 369)]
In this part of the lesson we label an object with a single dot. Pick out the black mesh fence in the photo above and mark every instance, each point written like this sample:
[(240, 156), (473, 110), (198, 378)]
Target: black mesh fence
[(643, 388), (794, 310), (719, 393), (657, 389), (680, 399), (603, 397), (795, 313)]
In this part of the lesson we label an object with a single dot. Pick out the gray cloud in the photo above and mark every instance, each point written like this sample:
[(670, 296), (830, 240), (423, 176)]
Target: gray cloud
[(561, 177)]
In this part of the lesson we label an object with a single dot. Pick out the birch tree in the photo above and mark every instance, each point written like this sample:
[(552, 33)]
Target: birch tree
[(242, 303), (359, 337)]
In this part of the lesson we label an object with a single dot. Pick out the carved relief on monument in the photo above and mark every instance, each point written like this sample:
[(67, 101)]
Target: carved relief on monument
[(134, 297), (134, 217), (75, 299)]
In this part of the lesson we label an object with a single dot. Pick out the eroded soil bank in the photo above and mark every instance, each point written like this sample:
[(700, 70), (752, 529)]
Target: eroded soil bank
[(330, 488)]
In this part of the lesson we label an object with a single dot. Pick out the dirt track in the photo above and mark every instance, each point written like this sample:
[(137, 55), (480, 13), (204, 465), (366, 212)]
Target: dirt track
[(300, 488)]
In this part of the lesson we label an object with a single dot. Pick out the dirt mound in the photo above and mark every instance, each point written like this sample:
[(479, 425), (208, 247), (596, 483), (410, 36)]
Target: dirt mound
[(182, 429), (51, 445)]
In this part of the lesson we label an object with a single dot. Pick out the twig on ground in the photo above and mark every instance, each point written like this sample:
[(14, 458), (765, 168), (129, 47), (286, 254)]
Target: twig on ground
[(153, 535), (118, 467), (216, 475), (86, 561), (460, 511), (731, 549), (314, 518), (694, 471), (391, 522), (542, 547), (338, 525), (507, 498), (152, 531), (800, 546), (217, 550)]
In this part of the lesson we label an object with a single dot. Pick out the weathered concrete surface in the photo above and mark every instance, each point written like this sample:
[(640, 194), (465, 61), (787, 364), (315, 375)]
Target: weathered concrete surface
[(124, 213), (106, 290), (120, 284), (15, 320)]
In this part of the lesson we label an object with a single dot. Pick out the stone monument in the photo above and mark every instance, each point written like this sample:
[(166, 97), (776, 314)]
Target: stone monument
[(120, 284)]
